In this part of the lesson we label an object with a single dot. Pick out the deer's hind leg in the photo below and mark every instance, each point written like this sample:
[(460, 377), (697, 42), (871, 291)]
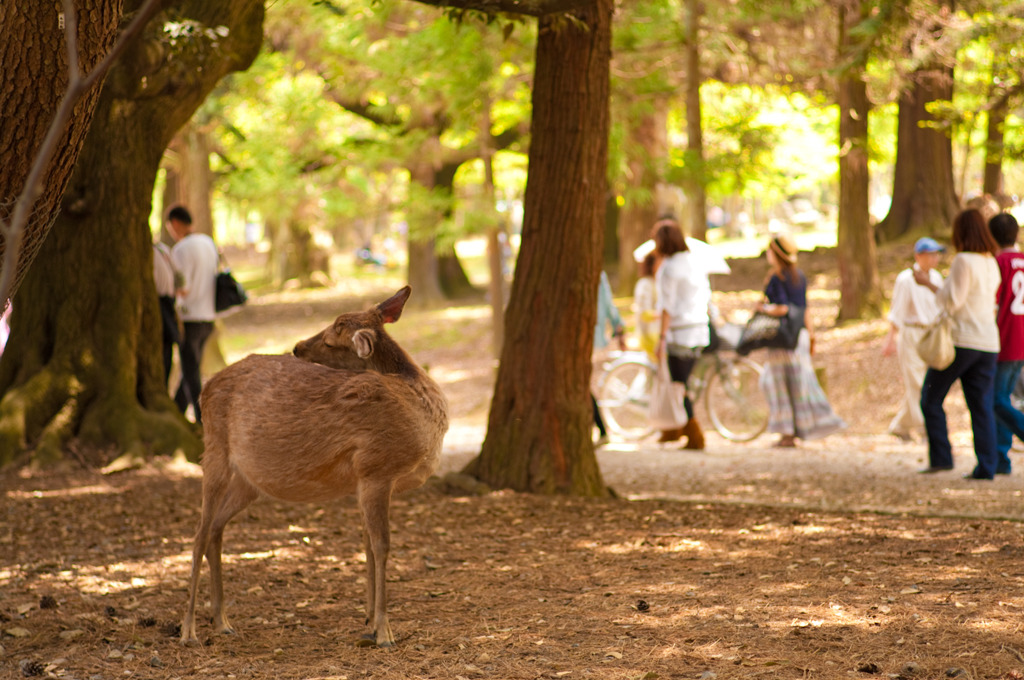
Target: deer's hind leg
[(222, 500)]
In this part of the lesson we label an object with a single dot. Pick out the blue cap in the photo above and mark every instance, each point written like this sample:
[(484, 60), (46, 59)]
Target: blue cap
[(928, 245)]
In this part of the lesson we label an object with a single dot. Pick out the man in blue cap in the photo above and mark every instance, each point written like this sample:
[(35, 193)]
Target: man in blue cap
[(912, 310)]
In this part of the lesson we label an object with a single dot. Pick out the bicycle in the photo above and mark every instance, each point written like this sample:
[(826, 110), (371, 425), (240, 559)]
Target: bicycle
[(728, 385)]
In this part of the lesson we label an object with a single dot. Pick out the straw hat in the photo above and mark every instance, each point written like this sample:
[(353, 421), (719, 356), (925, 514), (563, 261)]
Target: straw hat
[(784, 247)]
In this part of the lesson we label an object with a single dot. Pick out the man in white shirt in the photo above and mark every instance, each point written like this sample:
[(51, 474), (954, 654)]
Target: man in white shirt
[(913, 309), (195, 257)]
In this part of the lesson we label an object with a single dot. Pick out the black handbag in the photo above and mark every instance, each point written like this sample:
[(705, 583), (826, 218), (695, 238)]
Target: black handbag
[(229, 292), (778, 332)]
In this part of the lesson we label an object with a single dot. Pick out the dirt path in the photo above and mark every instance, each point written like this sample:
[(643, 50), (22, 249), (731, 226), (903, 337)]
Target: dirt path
[(873, 473)]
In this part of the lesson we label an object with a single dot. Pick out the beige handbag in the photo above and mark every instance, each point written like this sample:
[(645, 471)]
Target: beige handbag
[(666, 410), (936, 345)]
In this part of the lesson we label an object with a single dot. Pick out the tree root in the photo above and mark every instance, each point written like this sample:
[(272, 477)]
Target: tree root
[(52, 409)]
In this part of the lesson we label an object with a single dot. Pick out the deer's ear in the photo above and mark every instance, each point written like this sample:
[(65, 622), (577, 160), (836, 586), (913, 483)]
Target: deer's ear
[(391, 309), (363, 341)]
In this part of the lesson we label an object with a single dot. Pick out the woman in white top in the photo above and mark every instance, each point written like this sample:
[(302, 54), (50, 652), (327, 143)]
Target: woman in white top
[(683, 296), (968, 295)]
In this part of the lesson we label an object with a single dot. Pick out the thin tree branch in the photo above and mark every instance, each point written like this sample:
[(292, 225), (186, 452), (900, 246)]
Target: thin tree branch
[(14, 231)]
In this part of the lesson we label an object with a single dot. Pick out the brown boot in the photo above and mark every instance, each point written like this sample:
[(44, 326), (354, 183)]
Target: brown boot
[(670, 435), (694, 435)]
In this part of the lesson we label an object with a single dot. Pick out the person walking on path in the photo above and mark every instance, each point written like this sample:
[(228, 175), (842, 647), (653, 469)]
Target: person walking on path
[(607, 314), (1010, 320), (798, 407), (683, 295), (168, 281), (645, 308), (968, 295), (913, 309), (195, 256)]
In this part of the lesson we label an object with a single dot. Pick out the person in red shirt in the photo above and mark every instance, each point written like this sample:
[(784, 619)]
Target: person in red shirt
[(1010, 319)]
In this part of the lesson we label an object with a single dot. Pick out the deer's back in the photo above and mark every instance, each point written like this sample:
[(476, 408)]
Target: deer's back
[(304, 432)]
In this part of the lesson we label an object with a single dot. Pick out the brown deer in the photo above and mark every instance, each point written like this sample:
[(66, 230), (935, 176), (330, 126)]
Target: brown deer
[(351, 412)]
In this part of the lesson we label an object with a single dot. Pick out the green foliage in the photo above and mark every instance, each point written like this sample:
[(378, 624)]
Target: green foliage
[(344, 100), (763, 143)]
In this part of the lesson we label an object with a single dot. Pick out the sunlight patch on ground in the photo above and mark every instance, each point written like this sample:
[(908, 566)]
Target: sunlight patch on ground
[(454, 375), (811, 529), (110, 579), (97, 489)]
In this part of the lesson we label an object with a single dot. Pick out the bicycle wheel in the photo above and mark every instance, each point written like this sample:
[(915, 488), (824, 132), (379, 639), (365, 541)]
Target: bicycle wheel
[(735, 402), (623, 398)]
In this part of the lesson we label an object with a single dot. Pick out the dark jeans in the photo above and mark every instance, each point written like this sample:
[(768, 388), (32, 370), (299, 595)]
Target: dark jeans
[(680, 367), (976, 372), (169, 322), (196, 335), (598, 420), (1009, 421)]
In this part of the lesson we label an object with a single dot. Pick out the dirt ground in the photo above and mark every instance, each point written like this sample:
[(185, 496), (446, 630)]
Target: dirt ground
[(835, 560)]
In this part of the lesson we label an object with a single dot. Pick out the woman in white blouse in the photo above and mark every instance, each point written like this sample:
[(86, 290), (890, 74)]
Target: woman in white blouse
[(683, 296), (968, 295)]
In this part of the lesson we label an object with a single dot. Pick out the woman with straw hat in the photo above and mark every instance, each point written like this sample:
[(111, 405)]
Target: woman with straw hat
[(798, 407)]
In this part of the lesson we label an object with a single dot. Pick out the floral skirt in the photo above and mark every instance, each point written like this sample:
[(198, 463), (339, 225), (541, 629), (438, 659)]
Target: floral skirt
[(798, 406)]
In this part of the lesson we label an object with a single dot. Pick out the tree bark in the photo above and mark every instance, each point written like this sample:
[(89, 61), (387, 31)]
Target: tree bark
[(455, 284), (539, 428), (860, 286), (496, 281), (994, 145), (189, 177), (998, 109), (83, 361), (696, 195), (924, 199), (424, 271), (33, 59), (647, 149)]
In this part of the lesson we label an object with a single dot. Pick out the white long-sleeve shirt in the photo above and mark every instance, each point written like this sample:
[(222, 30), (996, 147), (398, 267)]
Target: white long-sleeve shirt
[(969, 295), (685, 293), (913, 304)]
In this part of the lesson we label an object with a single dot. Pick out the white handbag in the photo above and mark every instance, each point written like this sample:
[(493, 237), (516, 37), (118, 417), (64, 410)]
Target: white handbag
[(936, 345), (666, 410)]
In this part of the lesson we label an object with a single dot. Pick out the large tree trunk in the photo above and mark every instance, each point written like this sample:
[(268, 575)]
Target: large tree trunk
[(83, 361), (696, 195), (993, 178), (452, 278), (33, 60), (540, 423), (647, 149), (860, 286), (924, 199), (187, 162), (424, 271), (1006, 86)]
